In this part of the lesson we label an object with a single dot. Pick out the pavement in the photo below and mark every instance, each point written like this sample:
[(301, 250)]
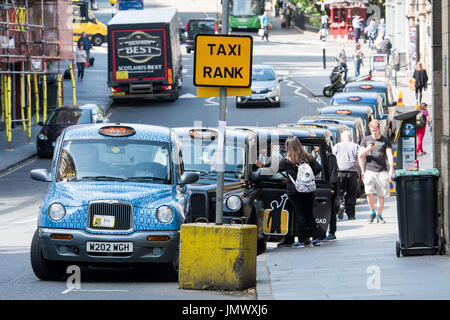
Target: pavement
[(362, 263)]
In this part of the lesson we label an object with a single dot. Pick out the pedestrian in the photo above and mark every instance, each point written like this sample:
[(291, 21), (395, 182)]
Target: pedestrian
[(382, 27), (301, 202), (80, 60), (386, 47), (372, 33), (347, 160), (86, 44), (275, 4), (358, 57), (324, 25), (421, 77), (332, 176), (265, 24), (375, 151), (355, 24), (361, 26), (378, 42), (422, 119), (288, 15), (342, 60)]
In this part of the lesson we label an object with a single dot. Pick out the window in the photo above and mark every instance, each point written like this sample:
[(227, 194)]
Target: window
[(117, 160), (69, 117), (263, 74)]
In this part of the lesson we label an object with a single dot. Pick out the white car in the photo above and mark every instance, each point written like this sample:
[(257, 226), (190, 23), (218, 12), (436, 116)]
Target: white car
[(265, 88)]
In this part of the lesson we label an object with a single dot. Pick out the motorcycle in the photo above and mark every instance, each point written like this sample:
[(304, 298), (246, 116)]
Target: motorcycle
[(338, 83)]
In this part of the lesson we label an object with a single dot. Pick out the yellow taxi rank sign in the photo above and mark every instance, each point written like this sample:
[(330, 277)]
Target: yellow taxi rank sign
[(223, 61)]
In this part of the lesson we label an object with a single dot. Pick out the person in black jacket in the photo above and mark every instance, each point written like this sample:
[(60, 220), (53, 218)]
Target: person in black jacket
[(301, 203), (332, 176), (421, 77)]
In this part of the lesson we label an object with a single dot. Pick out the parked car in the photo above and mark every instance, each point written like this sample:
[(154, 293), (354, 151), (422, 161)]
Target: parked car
[(373, 100), (273, 185), (60, 119), (384, 89), (117, 196), (355, 124), (196, 26), (335, 129), (363, 112), (265, 88)]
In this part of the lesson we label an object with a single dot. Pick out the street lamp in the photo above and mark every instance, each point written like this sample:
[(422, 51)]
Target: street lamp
[(112, 2)]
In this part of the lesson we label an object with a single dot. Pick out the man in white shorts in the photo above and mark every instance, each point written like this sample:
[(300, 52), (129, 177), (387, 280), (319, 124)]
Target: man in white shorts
[(375, 150)]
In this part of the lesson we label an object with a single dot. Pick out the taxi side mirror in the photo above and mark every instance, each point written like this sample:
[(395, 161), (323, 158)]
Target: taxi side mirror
[(188, 178), (41, 175)]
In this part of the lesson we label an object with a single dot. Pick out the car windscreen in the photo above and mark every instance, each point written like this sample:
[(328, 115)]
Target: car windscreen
[(69, 117), (114, 160), (201, 26), (245, 8), (263, 74), (200, 155)]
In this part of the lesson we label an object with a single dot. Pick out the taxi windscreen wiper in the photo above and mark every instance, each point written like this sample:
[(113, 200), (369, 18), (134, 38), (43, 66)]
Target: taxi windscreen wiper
[(103, 178), (145, 178)]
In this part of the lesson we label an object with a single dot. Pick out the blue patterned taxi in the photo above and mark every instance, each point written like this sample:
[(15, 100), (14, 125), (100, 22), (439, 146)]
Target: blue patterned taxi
[(117, 195)]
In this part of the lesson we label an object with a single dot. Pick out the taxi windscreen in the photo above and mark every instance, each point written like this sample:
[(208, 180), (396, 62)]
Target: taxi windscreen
[(199, 155), (114, 160)]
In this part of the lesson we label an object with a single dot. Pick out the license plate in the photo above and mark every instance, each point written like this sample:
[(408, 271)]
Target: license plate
[(103, 221), (109, 247), (258, 96), (120, 93)]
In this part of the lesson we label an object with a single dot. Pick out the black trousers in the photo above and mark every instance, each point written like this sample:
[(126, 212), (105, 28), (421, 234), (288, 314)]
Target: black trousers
[(348, 190), (333, 214), (80, 67), (266, 33), (302, 218)]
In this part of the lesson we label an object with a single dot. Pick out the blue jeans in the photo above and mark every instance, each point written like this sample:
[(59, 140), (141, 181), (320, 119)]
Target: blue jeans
[(357, 67)]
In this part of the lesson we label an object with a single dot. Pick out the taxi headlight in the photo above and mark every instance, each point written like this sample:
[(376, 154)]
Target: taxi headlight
[(56, 211), (42, 136), (164, 214), (233, 203)]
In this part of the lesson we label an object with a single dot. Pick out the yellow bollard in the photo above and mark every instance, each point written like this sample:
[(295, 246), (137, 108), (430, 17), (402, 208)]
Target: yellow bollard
[(2, 81), (22, 101), (8, 111), (59, 90), (29, 107), (44, 97), (36, 95), (74, 94)]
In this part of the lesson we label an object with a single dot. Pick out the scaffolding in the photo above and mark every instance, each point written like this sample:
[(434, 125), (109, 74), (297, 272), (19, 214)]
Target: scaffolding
[(35, 36)]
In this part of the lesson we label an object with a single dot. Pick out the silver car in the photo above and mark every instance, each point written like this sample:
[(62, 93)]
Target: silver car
[(265, 88)]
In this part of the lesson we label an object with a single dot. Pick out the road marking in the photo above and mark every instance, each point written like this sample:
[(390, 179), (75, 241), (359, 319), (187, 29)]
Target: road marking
[(211, 103), (25, 221), (187, 96), (19, 166), (292, 84)]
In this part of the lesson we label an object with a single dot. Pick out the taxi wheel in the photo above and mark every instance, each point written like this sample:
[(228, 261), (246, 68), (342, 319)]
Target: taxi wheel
[(44, 269)]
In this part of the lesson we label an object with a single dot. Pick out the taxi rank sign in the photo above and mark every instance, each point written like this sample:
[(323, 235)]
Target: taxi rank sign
[(223, 61)]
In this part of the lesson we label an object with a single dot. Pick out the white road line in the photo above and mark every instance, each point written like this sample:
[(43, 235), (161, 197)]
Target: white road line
[(292, 84), (211, 103), (25, 221)]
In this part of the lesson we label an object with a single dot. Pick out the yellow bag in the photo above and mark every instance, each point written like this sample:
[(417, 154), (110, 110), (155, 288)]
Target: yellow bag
[(412, 84)]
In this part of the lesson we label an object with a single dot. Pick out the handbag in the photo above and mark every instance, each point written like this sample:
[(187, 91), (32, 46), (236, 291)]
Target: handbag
[(261, 32)]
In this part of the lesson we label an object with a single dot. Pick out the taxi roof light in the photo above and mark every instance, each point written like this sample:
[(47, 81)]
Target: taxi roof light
[(366, 86), (203, 133), (354, 98), (343, 112), (115, 131)]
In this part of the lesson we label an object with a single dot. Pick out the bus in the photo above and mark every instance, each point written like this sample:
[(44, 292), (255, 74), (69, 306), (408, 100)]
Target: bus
[(244, 14)]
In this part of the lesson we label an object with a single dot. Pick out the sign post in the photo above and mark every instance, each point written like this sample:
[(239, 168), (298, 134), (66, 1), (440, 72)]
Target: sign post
[(222, 61)]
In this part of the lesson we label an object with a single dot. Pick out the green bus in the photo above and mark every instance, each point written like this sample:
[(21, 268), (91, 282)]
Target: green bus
[(244, 14)]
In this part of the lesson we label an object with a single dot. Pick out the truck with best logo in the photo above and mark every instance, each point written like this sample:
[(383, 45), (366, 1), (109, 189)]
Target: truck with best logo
[(144, 54)]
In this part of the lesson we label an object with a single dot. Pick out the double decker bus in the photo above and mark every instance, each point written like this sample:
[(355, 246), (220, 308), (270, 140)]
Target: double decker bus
[(244, 14)]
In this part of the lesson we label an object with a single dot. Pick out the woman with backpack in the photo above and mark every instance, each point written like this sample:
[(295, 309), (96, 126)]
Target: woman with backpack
[(301, 168), (422, 118)]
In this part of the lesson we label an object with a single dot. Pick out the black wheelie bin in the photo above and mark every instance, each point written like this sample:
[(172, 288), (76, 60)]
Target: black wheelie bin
[(417, 212)]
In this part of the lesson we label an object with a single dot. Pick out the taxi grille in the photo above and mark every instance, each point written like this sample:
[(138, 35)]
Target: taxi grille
[(197, 207), (121, 211)]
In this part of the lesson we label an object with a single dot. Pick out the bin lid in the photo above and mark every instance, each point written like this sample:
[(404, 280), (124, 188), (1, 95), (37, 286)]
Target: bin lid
[(424, 172)]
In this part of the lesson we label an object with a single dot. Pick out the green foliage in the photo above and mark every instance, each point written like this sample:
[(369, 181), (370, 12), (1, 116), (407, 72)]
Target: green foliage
[(307, 6)]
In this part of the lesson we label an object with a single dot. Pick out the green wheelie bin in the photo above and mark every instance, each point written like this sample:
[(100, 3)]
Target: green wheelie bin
[(417, 212)]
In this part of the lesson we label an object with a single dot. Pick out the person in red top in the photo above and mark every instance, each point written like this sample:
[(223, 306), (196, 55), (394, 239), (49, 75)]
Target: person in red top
[(420, 131)]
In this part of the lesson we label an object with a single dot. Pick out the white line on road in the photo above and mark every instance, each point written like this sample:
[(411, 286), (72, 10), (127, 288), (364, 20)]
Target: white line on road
[(292, 84), (25, 221), (211, 103)]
